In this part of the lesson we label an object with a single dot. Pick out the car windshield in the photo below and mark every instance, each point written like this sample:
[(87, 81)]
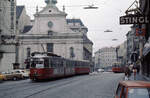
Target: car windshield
[(139, 93)]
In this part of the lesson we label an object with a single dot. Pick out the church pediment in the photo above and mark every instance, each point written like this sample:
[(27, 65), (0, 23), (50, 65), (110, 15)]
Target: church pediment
[(51, 10)]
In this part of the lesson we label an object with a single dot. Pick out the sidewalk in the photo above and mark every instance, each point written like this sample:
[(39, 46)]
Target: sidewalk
[(139, 77)]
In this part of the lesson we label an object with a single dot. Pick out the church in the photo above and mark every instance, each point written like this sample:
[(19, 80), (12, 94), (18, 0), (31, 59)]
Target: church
[(52, 32)]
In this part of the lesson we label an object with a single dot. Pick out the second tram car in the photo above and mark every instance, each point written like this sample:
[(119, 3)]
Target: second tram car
[(116, 68), (48, 66)]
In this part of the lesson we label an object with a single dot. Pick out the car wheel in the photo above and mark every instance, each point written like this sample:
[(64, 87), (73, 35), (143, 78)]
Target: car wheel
[(14, 78)]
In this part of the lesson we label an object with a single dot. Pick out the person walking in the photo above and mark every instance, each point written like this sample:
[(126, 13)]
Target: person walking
[(134, 73), (127, 73)]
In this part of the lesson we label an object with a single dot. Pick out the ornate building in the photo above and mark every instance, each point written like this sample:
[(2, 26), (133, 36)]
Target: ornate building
[(52, 32)]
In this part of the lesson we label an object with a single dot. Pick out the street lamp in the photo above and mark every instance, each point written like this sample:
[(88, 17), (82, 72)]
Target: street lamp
[(114, 39), (108, 30), (84, 6), (91, 7)]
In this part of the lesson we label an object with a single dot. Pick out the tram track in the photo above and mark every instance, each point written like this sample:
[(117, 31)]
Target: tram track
[(72, 86), (14, 86), (56, 86), (28, 89)]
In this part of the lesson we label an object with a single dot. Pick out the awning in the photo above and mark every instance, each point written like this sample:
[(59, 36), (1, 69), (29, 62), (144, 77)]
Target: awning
[(146, 49)]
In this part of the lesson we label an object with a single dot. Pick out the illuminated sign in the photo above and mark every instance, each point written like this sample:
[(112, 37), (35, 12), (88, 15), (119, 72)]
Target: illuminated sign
[(134, 19), (140, 32)]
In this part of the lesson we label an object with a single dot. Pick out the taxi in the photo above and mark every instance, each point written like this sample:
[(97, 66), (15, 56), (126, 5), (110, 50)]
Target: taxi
[(2, 77), (133, 89)]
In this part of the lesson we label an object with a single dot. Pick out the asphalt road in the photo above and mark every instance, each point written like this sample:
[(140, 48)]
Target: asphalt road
[(101, 85)]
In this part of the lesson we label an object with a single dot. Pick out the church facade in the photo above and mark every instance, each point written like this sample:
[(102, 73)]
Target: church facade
[(52, 32)]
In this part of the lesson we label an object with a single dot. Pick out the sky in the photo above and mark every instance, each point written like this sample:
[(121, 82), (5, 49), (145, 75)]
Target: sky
[(96, 20)]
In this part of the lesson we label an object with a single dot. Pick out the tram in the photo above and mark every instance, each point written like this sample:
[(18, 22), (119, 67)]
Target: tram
[(45, 66), (117, 68)]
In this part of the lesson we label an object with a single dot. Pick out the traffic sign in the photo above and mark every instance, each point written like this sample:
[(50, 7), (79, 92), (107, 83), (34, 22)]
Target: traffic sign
[(134, 19)]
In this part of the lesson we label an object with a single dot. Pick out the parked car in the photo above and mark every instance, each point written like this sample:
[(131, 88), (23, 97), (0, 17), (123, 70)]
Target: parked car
[(133, 89), (12, 76), (100, 70), (2, 77), (24, 73)]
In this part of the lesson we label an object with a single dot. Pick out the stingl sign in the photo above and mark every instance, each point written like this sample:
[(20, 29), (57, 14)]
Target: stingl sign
[(134, 19)]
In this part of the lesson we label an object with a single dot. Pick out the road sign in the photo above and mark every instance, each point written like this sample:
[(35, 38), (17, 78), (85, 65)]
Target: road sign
[(140, 32), (134, 19)]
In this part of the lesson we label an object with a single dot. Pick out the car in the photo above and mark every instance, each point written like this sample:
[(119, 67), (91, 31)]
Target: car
[(24, 73), (2, 77), (100, 70), (133, 89), (12, 75)]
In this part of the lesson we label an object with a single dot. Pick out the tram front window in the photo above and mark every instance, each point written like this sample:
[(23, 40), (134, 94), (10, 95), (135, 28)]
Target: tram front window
[(37, 63)]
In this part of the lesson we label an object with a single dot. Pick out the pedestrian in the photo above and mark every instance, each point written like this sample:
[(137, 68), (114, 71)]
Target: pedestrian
[(127, 73), (134, 73)]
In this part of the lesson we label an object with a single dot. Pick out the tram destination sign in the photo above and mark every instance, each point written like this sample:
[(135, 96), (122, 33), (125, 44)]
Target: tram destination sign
[(134, 19)]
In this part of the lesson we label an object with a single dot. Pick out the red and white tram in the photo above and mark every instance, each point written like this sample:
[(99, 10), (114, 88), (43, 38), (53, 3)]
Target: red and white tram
[(48, 66)]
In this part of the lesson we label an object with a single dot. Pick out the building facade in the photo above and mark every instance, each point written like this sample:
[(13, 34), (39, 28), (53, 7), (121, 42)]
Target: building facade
[(132, 43), (52, 32), (122, 54), (13, 20), (105, 57), (7, 32), (145, 66)]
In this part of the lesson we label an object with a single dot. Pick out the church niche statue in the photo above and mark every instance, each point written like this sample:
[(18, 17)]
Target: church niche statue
[(51, 1)]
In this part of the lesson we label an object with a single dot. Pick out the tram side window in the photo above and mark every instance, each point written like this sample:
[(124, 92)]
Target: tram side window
[(73, 63), (46, 63), (53, 63), (66, 63), (77, 64), (62, 63), (50, 64)]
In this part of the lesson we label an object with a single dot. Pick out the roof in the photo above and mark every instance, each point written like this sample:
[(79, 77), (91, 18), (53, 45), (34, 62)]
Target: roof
[(19, 10), (135, 83), (27, 28), (75, 21)]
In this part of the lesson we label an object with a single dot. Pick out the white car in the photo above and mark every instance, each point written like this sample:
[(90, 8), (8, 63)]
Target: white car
[(24, 73), (100, 70)]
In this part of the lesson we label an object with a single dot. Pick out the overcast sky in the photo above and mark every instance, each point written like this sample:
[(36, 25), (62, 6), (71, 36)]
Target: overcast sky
[(97, 21)]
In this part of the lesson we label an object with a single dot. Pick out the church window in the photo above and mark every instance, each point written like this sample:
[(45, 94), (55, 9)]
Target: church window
[(49, 47), (72, 55), (28, 52)]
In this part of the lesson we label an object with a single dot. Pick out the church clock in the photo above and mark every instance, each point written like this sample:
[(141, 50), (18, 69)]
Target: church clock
[(50, 24)]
